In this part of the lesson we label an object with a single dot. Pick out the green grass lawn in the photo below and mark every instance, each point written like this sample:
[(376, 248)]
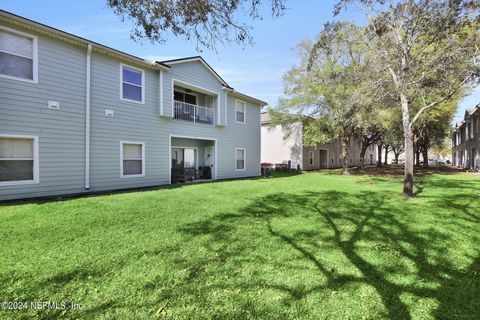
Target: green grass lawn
[(311, 246)]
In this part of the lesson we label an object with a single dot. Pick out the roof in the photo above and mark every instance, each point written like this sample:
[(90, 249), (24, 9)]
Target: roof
[(202, 61), (471, 111), (216, 75), (468, 113), (157, 64), (265, 118), (54, 31), (247, 97)]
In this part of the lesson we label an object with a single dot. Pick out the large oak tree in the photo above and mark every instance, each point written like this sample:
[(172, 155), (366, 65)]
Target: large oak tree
[(430, 50)]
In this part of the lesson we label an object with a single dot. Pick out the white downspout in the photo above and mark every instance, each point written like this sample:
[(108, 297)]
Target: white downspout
[(160, 80), (226, 110), (87, 120)]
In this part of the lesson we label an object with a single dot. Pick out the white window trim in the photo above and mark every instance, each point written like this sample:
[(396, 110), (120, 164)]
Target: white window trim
[(122, 65), (34, 56), (311, 156), (36, 170), (244, 111), (121, 160), (244, 159)]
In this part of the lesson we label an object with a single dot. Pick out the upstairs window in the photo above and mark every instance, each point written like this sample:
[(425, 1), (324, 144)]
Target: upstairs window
[(18, 160), (239, 159), (132, 159), (132, 84), (18, 55), (240, 111)]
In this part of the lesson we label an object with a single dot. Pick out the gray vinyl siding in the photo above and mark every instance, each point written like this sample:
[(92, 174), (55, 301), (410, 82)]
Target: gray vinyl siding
[(196, 74), (62, 74), (131, 122), (23, 111), (142, 123)]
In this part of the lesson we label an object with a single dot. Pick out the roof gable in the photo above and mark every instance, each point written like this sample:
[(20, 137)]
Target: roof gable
[(202, 61)]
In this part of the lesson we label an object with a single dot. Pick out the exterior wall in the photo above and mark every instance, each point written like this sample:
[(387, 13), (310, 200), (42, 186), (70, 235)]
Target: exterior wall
[(334, 155), (62, 77), (466, 143), (196, 74), (24, 111), (278, 147)]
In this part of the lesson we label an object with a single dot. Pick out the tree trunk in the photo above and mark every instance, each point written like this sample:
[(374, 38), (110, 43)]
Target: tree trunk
[(425, 150), (425, 156), (417, 157), (362, 155), (345, 155), (385, 161), (379, 156), (396, 154), (408, 139)]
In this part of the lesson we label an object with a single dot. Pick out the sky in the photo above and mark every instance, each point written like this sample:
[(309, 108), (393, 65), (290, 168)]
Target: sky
[(255, 69)]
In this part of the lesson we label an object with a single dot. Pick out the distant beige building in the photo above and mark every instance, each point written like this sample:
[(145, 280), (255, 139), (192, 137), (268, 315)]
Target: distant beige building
[(466, 140), (279, 145)]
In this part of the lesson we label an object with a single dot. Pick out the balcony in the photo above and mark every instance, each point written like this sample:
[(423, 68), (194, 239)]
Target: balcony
[(193, 113)]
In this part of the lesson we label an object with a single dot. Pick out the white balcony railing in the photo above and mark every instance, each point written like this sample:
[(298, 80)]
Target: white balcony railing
[(191, 112)]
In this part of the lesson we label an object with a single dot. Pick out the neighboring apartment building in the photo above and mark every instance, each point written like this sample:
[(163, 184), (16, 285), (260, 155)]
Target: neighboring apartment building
[(280, 145), (466, 140), (77, 116)]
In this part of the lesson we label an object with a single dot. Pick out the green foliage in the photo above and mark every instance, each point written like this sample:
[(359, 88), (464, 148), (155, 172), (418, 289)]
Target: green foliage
[(305, 246), (431, 51), (433, 127), (328, 86), (206, 22)]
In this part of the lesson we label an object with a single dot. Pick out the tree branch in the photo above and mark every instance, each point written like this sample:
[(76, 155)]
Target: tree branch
[(433, 104)]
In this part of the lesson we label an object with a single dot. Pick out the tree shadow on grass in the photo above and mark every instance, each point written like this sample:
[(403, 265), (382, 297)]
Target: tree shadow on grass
[(368, 231)]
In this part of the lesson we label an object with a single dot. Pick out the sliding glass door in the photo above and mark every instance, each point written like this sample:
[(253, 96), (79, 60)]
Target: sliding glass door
[(184, 158)]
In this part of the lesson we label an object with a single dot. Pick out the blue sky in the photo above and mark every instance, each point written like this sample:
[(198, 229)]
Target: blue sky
[(255, 70)]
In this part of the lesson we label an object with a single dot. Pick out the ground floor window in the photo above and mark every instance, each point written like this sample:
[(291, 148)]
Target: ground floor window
[(311, 157), (240, 159), (18, 159), (132, 159)]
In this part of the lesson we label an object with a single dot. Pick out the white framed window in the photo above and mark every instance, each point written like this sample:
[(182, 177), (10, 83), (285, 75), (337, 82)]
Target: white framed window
[(239, 111), (132, 84), (18, 160), (240, 154), (311, 157), (18, 55), (132, 159)]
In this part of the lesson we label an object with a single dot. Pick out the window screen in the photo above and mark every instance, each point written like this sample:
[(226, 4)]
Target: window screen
[(132, 159), (16, 159), (240, 159), (16, 55)]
